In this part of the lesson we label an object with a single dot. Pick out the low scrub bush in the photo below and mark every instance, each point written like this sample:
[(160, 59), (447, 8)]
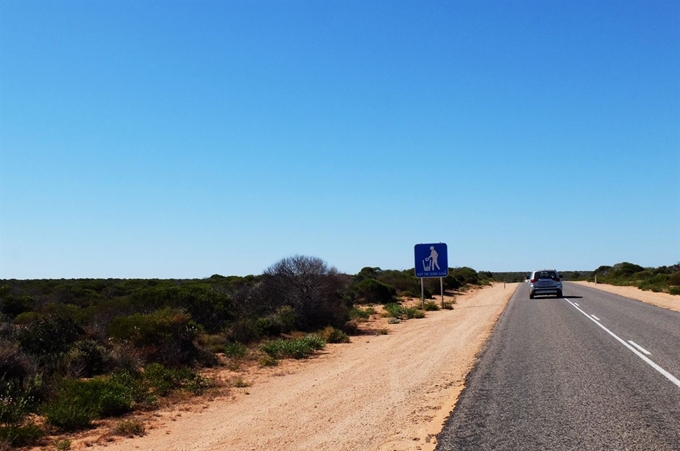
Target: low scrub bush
[(18, 436), (351, 327), (332, 335), (298, 348), (129, 428), (236, 350), (240, 383), (62, 445), (87, 359), (267, 360), (16, 403), (674, 279), (373, 291), (78, 402), (394, 310), (162, 381), (212, 342), (164, 336), (430, 306), (48, 339), (244, 330), (414, 313), (67, 415), (275, 324), (361, 314)]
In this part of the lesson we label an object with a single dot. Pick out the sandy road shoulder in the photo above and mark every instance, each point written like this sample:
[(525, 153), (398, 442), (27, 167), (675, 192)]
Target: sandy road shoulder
[(382, 392), (663, 300)]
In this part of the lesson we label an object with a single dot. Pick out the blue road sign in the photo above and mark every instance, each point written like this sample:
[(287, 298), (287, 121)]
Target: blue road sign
[(432, 260)]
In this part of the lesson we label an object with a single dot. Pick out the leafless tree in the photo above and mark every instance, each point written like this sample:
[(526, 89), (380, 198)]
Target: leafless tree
[(315, 290)]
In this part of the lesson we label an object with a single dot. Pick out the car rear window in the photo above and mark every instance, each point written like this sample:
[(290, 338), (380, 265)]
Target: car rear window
[(547, 275)]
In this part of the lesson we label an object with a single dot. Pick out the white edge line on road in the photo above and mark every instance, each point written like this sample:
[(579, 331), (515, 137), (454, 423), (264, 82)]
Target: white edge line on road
[(595, 317), (640, 348), (665, 373)]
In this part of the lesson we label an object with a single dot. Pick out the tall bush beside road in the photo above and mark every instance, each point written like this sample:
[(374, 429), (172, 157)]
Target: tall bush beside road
[(314, 290)]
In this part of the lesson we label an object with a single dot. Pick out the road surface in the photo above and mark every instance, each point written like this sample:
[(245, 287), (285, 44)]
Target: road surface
[(589, 371)]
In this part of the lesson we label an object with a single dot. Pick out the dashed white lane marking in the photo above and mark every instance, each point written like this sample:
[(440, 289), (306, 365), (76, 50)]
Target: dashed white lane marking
[(598, 319), (646, 359), (640, 348)]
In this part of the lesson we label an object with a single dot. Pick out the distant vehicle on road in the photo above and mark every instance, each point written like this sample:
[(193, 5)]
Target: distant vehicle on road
[(545, 281)]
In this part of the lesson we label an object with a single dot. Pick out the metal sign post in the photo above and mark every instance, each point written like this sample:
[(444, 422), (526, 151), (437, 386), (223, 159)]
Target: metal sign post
[(431, 260)]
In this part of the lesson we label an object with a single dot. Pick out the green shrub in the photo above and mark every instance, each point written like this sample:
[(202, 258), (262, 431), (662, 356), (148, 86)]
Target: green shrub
[(15, 402), (236, 350), (162, 380), (77, 402), (87, 359), (240, 383), (18, 436), (674, 279), (267, 360), (282, 321), (297, 349), (373, 291), (49, 338), (286, 318), (212, 342), (674, 290), (244, 330), (26, 318), (210, 308), (414, 313), (129, 428), (15, 305), (67, 415), (332, 335), (315, 342), (394, 310), (430, 306), (165, 336), (351, 328), (361, 314), (62, 445), (267, 327)]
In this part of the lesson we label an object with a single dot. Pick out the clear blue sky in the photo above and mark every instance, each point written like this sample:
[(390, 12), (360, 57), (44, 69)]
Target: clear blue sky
[(181, 139)]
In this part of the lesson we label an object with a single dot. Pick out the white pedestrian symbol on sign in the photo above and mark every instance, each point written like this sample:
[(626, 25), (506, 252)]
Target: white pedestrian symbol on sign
[(430, 263)]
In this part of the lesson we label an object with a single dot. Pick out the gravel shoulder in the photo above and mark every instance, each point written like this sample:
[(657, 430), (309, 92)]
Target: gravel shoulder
[(379, 392)]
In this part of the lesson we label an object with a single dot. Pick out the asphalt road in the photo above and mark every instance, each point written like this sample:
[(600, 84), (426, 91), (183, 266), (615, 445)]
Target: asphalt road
[(589, 371)]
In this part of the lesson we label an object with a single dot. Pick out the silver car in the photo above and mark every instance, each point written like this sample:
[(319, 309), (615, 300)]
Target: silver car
[(545, 281)]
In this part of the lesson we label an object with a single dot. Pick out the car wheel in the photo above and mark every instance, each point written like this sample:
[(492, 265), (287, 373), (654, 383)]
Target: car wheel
[(559, 294), (531, 295)]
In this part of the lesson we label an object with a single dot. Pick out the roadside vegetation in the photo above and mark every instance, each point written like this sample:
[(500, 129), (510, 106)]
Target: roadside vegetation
[(73, 352), (664, 279)]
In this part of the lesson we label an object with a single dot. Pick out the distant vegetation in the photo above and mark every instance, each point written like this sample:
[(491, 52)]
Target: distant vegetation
[(664, 279), (74, 351)]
